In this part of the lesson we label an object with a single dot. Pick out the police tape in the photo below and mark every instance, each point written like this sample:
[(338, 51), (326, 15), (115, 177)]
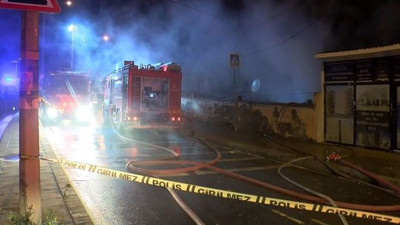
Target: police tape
[(180, 186)]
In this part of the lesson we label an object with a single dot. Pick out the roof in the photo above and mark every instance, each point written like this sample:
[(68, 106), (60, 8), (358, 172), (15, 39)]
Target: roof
[(364, 53)]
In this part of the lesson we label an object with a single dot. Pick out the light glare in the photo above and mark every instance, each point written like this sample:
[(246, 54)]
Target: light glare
[(72, 28)]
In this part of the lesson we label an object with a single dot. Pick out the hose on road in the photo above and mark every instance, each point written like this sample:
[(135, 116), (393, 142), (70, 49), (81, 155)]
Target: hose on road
[(333, 203), (197, 165)]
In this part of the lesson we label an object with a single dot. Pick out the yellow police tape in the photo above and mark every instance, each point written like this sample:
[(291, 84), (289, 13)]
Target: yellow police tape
[(225, 194)]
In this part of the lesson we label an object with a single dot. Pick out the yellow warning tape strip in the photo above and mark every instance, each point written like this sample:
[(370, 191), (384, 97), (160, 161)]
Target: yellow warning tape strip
[(225, 194)]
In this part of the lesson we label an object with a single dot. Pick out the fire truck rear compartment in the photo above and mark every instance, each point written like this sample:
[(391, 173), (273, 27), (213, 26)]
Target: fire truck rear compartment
[(155, 95)]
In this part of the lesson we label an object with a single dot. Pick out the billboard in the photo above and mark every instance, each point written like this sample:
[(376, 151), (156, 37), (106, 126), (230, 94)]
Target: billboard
[(373, 116), (339, 108)]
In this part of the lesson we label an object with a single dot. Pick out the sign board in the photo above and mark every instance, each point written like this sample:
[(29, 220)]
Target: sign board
[(382, 72), (234, 60), (49, 6), (364, 70), (373, 116), (396, 68), (339, 72), (27, 81)]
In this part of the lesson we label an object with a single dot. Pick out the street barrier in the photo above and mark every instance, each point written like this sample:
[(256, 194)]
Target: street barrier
[(180, 186)]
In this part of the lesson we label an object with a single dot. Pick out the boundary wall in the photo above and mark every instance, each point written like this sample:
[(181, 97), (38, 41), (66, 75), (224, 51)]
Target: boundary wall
[(300, 121)]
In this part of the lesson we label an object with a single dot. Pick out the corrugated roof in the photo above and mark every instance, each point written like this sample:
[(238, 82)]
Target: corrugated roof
[(373, 52)]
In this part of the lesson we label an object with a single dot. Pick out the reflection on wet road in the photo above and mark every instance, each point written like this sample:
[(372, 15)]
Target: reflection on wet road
[(116, 201)]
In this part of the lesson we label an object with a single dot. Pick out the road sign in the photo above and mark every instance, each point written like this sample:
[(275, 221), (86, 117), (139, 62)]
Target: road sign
[(27, 81), (49, 6), (234, 60)]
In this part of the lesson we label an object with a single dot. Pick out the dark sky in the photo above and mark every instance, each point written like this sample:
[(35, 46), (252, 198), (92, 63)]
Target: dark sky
[(276, 39)]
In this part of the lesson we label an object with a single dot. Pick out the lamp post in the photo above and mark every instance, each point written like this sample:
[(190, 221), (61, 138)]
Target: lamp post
[(106, 37), (72, 28)]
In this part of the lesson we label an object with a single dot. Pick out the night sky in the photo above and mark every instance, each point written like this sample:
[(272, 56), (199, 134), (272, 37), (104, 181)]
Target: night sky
[(276, 40)]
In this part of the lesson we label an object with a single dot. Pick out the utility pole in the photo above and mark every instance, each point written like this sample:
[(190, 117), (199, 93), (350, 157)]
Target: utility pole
[(29, 165)]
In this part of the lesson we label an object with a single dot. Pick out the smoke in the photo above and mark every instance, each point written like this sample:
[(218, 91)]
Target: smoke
[(9, 44), (276, 41)]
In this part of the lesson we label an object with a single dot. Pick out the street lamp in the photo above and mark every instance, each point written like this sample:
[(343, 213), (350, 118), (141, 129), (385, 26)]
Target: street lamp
[(68, 3), (72, 28), (106, 37)]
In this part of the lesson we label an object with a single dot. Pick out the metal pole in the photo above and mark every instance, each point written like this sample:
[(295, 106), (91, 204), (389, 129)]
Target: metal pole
[(42, 44), (29, 165), (236, 99), (72, 48)]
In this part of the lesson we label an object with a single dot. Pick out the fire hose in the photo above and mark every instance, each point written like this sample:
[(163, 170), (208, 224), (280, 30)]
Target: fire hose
[(132, 165)]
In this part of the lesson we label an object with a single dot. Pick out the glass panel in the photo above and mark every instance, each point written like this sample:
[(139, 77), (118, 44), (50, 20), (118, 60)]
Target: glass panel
[(155, 94), (398, 117), (373, 116), (340, 114)]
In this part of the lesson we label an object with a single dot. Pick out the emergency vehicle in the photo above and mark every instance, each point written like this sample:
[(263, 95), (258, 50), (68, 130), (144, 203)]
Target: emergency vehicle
[(9, 94), (65, 95), (143, 96)]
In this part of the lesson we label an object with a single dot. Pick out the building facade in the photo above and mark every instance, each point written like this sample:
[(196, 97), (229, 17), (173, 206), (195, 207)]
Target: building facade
[(362, 97)]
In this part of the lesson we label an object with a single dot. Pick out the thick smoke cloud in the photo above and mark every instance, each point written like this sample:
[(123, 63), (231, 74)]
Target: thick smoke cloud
[(9, 41), (276, 40)]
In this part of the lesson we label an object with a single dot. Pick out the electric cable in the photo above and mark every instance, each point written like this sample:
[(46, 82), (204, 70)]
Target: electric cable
[(279, 14), (195, 9), (292, 35)]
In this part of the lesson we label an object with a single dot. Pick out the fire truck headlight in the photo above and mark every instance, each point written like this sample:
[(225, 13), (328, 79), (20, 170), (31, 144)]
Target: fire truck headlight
[(52, 113), (83, 113)]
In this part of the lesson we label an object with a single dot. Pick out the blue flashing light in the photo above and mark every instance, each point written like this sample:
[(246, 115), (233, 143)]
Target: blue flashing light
[(8, 79)]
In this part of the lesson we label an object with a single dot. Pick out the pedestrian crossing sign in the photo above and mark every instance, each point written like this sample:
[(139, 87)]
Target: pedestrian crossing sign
[(234, 60)]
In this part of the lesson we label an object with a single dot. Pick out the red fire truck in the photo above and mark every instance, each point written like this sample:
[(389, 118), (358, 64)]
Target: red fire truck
[(66, 96), (143, 96)]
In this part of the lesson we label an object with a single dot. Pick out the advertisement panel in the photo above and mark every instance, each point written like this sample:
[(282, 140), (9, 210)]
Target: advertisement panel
[(339, 110), (382, 70), (339, 72), (396, 68), (398, 117), (373, 116), (364, 71)]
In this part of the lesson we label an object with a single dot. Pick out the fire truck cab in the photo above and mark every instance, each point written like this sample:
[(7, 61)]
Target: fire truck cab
[(143, 96), (65, 95)]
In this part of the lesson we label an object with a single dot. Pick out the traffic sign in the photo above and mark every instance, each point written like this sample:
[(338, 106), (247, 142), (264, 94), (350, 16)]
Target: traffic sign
[(234, 60), (49, 6)]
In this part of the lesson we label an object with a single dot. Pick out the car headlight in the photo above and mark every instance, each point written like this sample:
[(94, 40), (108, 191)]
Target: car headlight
[(83, 113), (52, 113)]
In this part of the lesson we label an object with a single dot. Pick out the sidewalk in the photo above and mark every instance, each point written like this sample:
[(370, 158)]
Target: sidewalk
[(56, 192)]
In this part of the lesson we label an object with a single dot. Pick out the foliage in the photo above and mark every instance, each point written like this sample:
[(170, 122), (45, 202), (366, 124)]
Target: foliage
[(19, 219)]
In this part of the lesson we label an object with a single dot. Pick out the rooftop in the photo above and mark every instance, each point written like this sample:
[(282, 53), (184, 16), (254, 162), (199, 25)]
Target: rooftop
[(364, 53)]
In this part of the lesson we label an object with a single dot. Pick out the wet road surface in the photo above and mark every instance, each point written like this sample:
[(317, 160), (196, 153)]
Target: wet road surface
[(115, 201)]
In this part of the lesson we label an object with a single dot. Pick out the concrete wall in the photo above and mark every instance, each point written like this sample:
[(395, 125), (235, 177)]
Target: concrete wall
[(287, 120)]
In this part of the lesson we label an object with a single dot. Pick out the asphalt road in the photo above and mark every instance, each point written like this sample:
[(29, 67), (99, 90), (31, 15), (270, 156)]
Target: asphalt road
[(115, 201)]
